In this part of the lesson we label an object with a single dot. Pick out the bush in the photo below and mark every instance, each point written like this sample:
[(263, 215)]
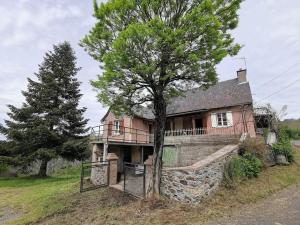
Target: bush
[(251, 165), (240, 168), (232, 172), (3, 167), (283, 146), (256, 147)]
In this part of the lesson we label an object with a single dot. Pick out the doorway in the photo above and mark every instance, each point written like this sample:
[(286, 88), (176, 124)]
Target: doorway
[(199, 123)]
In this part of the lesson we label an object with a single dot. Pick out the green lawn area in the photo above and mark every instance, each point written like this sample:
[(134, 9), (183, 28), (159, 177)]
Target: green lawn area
[(57, 200), (32, 198)]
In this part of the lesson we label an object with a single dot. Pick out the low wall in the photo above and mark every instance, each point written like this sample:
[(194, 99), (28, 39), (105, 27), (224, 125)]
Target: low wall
[(99, 174), (182, 151), (191, 184)]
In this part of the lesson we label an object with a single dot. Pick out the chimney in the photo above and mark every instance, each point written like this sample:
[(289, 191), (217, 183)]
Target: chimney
[(242, 76)]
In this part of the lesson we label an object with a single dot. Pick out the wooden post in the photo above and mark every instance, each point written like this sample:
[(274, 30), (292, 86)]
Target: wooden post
[(113, 168), (194, 125), (148, 175)]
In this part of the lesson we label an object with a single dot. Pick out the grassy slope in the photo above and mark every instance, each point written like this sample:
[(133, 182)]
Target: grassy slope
[(33, 198), (110, 207), (292, 124), (40, 198)]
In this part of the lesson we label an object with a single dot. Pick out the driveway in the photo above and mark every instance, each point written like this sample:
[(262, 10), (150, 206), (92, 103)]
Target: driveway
[(297, 142), (282, 208)]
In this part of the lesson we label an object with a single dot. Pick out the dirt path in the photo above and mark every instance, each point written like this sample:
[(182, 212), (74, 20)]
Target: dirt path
[(7, 214), (282, 208)]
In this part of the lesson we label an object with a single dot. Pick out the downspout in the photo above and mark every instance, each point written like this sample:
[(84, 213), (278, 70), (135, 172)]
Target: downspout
[(245, 127)]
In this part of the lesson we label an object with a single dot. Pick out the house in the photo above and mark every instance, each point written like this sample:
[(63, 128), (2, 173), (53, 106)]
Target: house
[(223, 110)]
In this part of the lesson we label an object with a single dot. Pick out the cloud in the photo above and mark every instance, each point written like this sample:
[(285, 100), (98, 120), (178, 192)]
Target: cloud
[(28, 21)]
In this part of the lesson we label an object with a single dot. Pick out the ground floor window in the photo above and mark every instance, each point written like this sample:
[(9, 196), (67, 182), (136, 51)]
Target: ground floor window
[(222, 119)]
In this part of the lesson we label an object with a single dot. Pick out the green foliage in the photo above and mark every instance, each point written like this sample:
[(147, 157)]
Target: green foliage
[(145, 47), (232, 172), (240, 168), (251, 165), (283, 146), (256, 147), (3, 167), (50, 115), (292, 133)]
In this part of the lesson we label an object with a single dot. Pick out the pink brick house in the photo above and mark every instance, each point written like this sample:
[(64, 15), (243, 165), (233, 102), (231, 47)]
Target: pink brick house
[(225, 109)]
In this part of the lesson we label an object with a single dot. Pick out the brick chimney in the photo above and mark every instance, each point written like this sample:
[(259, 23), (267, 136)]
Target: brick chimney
[(242, 76)]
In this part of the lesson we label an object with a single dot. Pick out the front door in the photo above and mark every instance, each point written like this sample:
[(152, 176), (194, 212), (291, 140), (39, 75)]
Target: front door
[(199, 123)]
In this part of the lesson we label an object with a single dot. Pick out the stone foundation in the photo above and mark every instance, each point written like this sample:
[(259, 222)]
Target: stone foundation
[(192, 184)]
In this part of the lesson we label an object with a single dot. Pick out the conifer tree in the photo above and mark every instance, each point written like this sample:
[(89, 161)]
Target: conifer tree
[(50, 117)]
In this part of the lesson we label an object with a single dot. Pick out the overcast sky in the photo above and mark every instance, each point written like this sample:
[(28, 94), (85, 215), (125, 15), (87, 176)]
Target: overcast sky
[(269, 30)]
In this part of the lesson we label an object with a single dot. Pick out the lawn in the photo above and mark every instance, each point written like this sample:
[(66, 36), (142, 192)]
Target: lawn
[(28, 198), (57, 201)]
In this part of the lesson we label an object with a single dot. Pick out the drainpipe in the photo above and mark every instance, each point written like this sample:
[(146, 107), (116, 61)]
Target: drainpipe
[(245, 127)]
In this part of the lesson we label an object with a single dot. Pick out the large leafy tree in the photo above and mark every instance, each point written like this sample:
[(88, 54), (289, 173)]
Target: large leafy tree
[(49, 123), (153, 50)]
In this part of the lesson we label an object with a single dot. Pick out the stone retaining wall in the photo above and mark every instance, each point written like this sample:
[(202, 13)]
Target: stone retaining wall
[(191, 184)]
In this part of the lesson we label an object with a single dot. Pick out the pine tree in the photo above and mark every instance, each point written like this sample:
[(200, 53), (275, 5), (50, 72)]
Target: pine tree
[(50, 118)]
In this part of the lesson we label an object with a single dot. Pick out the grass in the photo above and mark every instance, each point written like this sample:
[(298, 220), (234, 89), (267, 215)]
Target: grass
[(57, 201), (294, 124), (33, 198)]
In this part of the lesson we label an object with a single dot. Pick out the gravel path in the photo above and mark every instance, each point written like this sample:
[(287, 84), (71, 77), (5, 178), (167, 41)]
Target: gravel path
[(282, 208)]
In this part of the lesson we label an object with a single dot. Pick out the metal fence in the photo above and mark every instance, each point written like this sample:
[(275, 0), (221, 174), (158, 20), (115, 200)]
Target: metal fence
[(134, 179), (94, 175)]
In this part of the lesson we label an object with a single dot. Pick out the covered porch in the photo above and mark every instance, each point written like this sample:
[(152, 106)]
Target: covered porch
[(193, 124)]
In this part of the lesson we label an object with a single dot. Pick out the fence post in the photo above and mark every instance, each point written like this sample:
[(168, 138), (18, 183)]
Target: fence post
[(112, 159), (81, 177), (147, 175)]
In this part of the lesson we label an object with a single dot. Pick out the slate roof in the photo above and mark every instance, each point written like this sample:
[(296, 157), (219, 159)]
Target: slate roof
[(223, 94)]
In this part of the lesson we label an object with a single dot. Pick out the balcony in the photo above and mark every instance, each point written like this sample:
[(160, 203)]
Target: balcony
[(108, 134)]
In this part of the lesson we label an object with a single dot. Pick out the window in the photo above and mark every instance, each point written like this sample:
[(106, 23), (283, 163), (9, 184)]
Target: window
[(116, 127), (222, 120)]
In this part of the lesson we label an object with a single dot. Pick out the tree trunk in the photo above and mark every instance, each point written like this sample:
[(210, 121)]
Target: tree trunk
[(159, 134), (43, 168)]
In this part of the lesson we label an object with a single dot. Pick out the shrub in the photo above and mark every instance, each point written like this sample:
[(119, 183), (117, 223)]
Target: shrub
[(256, 147), (240, 168), (3, 167), (251, 165), (283, 146), (232, 172)]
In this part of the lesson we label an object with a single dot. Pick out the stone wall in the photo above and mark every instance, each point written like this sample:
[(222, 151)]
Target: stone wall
[(192, 184), (99, 174), (186, 150), (53, 166)]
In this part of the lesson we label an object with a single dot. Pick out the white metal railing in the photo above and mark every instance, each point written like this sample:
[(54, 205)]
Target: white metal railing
[(202, 131), (183, 132)]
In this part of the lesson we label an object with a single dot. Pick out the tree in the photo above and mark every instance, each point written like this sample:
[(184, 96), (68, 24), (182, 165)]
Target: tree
[(49, 118), (153, 50)]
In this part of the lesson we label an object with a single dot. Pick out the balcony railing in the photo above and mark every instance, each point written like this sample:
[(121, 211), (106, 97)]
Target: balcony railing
[(132, 135), (203, 131), (106, 133)]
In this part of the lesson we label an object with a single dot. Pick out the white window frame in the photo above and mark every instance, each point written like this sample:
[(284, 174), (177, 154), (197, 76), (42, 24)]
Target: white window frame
[(224, 119), (116, 127)]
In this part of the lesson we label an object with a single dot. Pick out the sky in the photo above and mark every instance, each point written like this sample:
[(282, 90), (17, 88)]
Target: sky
[(268, 30)]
